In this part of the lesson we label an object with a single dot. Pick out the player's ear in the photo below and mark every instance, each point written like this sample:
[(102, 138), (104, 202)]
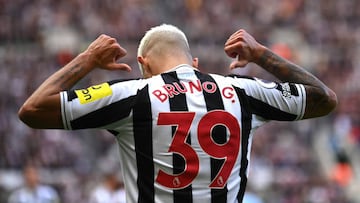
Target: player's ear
[(195, 62), (146, 72), (141, 60)]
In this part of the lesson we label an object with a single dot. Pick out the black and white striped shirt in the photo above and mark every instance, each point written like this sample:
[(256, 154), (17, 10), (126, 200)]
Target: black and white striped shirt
[(184, 136)]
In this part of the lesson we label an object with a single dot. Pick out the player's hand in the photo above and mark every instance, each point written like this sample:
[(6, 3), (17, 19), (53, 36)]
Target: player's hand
[(104, 53), (244, 47)]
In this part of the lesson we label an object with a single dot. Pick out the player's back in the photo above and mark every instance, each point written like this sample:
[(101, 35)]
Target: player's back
[(188, 147), (184, 136)]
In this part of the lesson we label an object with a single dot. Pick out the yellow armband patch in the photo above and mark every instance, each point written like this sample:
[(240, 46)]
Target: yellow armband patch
[(93, 93)]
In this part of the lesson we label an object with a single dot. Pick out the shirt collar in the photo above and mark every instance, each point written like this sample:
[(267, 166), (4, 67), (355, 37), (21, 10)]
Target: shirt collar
[(180, 67)]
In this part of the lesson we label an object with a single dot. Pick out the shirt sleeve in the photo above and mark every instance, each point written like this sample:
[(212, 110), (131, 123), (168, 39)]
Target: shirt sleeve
[(274, 101), (95, 106)]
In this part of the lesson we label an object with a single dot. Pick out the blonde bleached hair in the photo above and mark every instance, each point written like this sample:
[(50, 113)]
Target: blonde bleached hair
[(163, 33)]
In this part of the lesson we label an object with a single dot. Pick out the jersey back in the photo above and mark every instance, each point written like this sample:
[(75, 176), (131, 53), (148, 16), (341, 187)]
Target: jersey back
[(184, 136)]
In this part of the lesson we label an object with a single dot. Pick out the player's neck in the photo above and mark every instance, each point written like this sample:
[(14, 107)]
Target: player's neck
[(169, 64)]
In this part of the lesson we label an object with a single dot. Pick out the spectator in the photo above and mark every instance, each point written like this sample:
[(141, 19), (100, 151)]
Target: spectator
[(33, 191), (111, 190)]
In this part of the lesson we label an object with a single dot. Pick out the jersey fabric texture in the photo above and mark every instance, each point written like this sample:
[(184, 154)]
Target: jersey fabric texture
[(184, 136)]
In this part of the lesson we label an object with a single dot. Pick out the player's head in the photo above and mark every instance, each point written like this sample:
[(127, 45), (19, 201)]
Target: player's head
[(160, 44)]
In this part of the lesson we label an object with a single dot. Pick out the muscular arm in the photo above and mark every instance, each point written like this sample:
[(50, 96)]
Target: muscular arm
[(42, 109), (320, 99)]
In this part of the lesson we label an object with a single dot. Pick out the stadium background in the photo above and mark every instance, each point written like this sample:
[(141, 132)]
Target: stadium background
[(291, 162)]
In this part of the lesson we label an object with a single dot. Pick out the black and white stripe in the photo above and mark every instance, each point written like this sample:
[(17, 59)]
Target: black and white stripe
[(214, 101), (178, 103), (131, 114)]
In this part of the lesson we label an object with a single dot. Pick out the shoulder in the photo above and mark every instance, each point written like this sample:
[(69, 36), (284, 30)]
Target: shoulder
[(45, 189), (253, 81), (100, 190), (126, 82), (240, 76)]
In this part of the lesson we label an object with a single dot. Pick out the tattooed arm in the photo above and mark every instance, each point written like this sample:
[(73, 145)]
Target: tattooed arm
[(320, 101), (42, 109)]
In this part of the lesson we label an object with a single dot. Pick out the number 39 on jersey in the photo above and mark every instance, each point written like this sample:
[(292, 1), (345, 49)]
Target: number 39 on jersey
[(228, 151)]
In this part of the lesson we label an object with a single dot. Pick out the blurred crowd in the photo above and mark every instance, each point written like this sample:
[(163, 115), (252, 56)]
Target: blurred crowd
[(37, 37)]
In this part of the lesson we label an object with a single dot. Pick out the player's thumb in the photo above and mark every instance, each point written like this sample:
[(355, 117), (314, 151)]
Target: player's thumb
[(238, 64), (119, 66)]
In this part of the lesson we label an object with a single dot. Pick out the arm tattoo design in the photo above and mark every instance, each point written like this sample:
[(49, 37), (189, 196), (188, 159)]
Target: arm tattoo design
[(316, 91), (285, 70), (69, 78)]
